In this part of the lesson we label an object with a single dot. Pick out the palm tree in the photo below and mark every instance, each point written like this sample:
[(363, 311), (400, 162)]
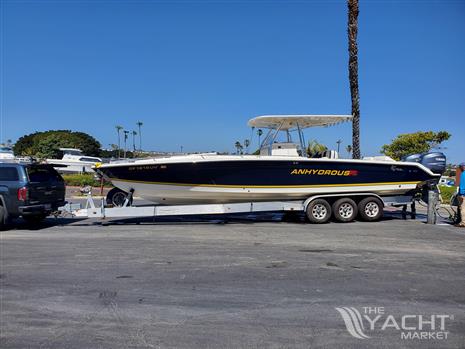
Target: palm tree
[(139, 124), (125, 139), (134, 134), (339, 141), (246, 144), (353, 75), (238, 146), (314, 148), (349, 149), (259, 132), (118, 129), (114, 149)]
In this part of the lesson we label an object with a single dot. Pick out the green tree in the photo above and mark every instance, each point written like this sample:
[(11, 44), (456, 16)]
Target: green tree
[(239, 147), (134, 134), (47, 144), (125, 138), (88, 144), (247, 144), (139, 125), (118, 130), (352, 29), (259, 133), (349, 149), (413, 143), (314, 148), (48, 147), (25, 145)]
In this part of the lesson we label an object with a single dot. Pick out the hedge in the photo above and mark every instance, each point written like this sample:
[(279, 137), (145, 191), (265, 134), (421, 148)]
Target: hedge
[(81, 180)]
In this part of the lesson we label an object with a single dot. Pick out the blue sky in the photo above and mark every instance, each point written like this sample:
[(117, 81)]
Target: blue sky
[(195, 71)]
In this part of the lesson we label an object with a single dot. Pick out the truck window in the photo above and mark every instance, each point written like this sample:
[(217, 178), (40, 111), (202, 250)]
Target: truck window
[(43, 174), (8, 174)]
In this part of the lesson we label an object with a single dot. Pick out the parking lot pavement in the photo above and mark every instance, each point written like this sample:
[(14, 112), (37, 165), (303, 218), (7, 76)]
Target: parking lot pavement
[(236, 285)]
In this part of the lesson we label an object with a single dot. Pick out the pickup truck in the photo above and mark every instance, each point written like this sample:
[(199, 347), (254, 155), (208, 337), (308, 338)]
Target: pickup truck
[(29, 190)]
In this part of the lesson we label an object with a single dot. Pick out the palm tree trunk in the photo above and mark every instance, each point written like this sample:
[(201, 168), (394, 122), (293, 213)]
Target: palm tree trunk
[(119, 145), (353, 76)]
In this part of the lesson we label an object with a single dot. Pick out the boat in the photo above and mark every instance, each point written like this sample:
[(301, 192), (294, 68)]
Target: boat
[(6, 154), (281, 171), (74, 161)]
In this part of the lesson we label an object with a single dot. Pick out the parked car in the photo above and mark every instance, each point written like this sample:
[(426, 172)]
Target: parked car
[(29, 190)]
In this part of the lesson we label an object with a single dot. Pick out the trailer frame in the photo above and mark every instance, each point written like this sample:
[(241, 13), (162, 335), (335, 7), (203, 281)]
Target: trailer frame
[(91, 210)]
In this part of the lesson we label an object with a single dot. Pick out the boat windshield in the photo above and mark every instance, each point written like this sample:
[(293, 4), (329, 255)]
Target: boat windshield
[(290, 141), (281, 128), (72, 152)]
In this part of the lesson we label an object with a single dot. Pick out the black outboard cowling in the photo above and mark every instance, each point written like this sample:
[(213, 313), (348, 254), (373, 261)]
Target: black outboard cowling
[(435, 161)]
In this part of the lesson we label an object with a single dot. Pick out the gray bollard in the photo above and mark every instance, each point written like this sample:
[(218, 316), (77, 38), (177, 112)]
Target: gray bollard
[(433, 198)]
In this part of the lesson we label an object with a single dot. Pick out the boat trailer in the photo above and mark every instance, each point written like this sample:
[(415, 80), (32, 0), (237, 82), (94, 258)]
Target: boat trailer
[(102, 211)]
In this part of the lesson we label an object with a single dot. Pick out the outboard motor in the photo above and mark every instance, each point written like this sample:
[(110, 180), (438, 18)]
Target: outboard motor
[(435, 161), (413, 158)]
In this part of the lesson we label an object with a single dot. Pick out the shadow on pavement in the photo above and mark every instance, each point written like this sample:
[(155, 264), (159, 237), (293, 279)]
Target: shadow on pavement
[(243, 218)]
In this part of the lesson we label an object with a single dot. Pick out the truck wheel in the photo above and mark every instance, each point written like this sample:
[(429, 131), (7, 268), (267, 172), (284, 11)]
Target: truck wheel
[(345, 210), (116, 197), (35, 219), (371, 209), (318, 211)]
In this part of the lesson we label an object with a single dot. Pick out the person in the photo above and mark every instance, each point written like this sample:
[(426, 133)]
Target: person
[(461, 196)]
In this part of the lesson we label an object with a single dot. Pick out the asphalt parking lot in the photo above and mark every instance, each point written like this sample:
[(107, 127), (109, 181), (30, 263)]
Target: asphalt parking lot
[(78, 284)]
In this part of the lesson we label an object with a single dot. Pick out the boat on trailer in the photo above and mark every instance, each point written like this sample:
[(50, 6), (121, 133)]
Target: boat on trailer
[(281, 171)]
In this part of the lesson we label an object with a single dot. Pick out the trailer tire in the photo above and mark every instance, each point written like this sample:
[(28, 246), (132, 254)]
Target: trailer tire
[(345, 210), (370, 209), (116, 197), (318, 211)]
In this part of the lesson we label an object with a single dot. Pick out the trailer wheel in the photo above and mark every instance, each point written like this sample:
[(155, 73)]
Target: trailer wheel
[(318, 211), (116, 197), (371, 209), (345, 210)]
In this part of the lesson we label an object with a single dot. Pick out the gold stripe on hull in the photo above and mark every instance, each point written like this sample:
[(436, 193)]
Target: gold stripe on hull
[(266, 186)]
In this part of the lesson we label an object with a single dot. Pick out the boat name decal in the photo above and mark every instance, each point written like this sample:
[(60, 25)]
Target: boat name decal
[(309, 171), (141, 168)]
